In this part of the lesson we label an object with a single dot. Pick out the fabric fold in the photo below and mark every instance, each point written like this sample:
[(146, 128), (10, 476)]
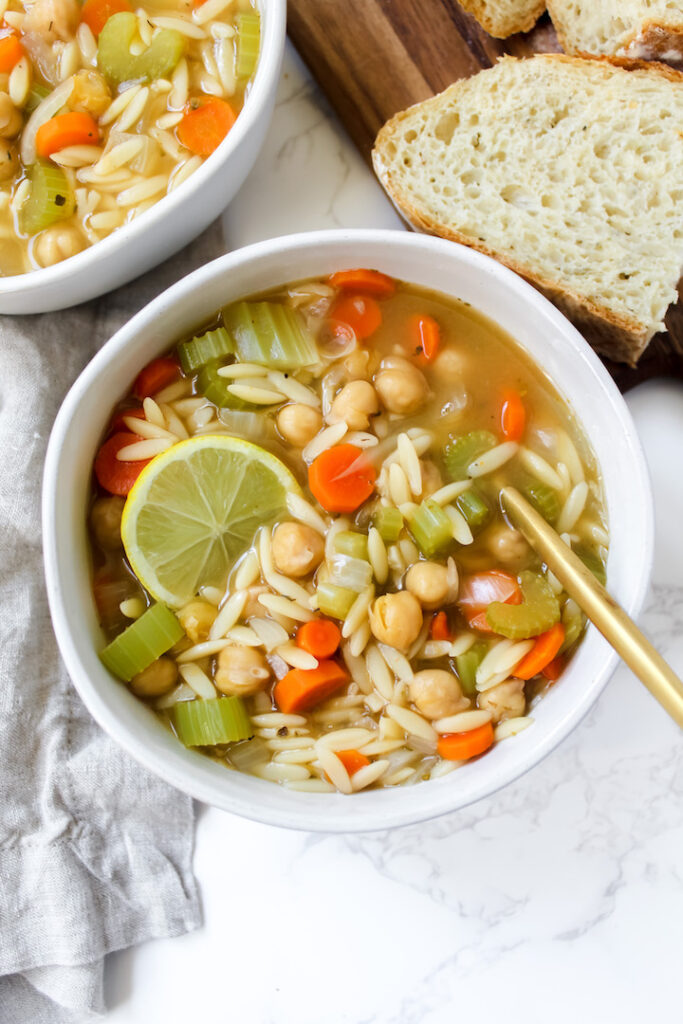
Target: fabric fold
[(95, 852)]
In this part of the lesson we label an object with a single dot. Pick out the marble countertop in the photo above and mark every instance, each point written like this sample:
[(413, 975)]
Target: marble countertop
[(558, 899)]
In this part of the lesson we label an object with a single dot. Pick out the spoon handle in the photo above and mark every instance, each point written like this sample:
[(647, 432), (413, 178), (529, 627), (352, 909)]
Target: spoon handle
[(609, 617)]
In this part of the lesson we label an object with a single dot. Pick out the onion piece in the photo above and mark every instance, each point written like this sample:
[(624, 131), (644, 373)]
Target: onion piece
[(50, 106)]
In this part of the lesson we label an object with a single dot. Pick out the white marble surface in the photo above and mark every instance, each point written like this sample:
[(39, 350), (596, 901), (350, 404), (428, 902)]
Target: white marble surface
[(559, 899)]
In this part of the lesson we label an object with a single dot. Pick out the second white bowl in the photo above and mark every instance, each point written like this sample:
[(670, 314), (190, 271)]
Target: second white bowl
[(177, 218)]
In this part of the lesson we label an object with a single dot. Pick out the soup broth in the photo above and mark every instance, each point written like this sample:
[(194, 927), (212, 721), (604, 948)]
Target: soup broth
[(358, 613)]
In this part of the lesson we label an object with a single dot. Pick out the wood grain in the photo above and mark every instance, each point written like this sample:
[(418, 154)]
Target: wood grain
[(373, 58)]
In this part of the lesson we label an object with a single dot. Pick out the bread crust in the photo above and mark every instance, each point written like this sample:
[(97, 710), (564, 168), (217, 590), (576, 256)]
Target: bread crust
[(501, 26), (618, 337), (652, 40), (657, 41)]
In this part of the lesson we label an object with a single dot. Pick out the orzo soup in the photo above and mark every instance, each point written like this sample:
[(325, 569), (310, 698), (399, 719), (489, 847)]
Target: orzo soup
[(299, 556), (105, 108)]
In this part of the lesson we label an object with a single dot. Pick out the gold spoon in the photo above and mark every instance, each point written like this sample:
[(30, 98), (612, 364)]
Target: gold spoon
[(612, 621)]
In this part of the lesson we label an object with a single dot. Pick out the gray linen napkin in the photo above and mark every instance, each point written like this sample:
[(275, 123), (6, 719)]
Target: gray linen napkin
[(95, 853)]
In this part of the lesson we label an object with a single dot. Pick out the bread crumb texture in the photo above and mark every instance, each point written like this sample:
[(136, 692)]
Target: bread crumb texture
[(644, 29), (502, 18), (569, 170)]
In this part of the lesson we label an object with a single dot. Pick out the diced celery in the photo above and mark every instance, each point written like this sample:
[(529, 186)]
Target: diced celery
[(459, 452), (142, 642), (50, 199), (215, 388), (349, 543), (204, 723), (388, 522), (36, 95), (473, 508), (592, 561), (201, 349), (431, 528), (538, 611), (544, 499), (119, 65), (271, 334), (574, 622), (466, 666), (350, 573), (248, 41), (335, 601)]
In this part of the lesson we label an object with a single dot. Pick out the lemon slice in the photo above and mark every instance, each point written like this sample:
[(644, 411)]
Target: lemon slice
[(196, 508)]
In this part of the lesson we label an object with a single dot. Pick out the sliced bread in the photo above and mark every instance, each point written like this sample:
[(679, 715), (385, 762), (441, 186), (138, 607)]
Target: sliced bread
[(645, 29), (568, 170), (502, 18)]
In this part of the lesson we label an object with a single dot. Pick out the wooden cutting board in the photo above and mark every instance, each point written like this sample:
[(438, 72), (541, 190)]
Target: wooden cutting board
[(373, 58)]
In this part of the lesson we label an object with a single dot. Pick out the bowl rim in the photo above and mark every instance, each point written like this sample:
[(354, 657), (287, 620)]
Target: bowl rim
[(340, 819), (256, 106)]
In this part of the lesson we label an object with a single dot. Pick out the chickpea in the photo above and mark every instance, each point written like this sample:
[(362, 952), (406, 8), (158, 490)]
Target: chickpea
[(396, 619), (428, 582), (9, 161), (401, 386), (10, 118), (197, 618), (354, 405), (297, 549), (105, 522), (56, 244), (299, 423), (431, 478), (357, 364), (506, 700), (241, 671), (450, 366), (436, 693), (508, 545), (90, 93), (156, 679)]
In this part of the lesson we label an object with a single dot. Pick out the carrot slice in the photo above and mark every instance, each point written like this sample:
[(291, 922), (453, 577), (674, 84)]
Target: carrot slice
[(301, 689), (370, 282), (341, 478), (11, 52), (554, 669), (205, 124), (352, 760), (320, 637), (479, 590), (428, 336), (439, 629), (96, 13), (460, 746), (156, 375), (359, 312), (546, 647), (73, 129), (117, 425), (114, 476), (512, 416)]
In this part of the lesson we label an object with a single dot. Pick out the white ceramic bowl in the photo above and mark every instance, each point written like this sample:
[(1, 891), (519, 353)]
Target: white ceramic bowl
[(177, 218), (556, 347)]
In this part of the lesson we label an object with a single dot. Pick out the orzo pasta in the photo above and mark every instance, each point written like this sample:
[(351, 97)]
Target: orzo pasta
[(299, 555)]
